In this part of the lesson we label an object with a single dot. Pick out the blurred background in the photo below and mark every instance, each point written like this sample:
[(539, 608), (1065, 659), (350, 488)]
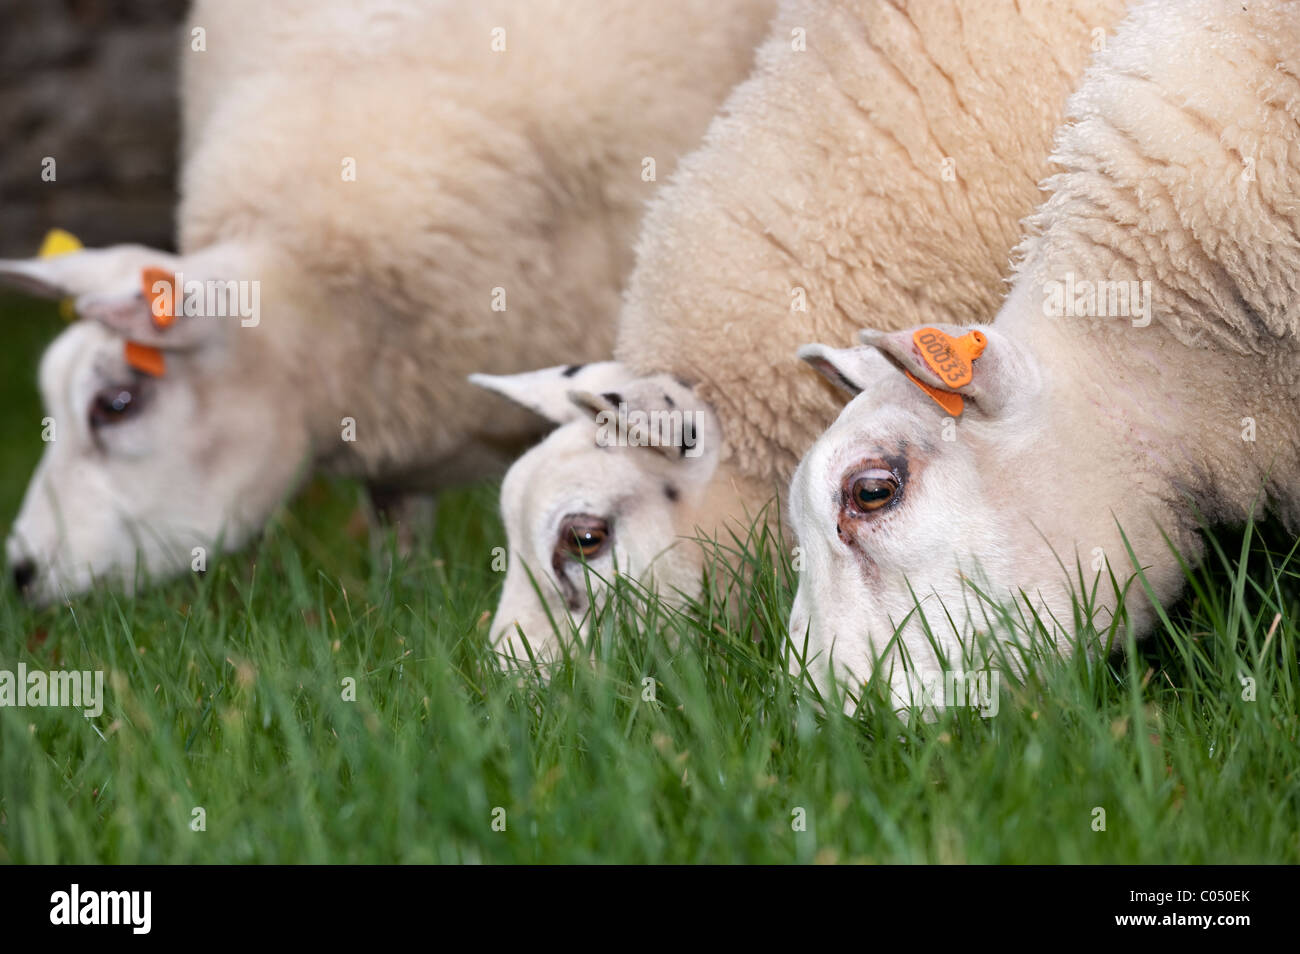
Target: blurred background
[(91, 83)]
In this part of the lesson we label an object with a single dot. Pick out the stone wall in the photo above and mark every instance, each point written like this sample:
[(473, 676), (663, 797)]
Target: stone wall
[(91, 83)]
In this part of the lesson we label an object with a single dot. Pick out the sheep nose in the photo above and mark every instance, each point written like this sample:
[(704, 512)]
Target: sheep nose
[(24, 573)]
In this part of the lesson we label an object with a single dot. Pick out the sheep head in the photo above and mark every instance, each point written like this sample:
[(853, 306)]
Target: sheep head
[(919, 522), (160, 444), (617, 487)]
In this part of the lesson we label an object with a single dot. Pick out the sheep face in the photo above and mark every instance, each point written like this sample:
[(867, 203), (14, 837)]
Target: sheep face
[(893, 503), (142, 471), (613, 489)]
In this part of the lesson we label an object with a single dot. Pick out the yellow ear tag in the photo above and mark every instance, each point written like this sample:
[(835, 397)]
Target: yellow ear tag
[(58, 242), (952, 360)]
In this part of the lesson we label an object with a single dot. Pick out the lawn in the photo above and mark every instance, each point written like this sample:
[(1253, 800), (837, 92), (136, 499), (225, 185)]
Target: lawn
[(677, 738)]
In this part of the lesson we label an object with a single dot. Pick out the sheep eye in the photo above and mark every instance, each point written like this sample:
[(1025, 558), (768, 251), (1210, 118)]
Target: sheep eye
[(870, 491), (113, 404), (583, 536)]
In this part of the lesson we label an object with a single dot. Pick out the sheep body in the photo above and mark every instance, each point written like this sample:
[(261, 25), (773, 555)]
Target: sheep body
[(879, 176), (1193, 187), (508, 178)]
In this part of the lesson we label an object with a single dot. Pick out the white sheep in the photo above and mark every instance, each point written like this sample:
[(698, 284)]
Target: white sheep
[(398, 192), (1142, 376), (872, 171)]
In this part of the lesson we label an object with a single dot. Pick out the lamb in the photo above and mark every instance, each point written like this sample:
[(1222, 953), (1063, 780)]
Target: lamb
[(873, 169), (386, 196), (1086, 439)]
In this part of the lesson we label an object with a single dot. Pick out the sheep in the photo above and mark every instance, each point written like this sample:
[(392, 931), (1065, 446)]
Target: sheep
[(1142, 377), (872, 169), (410, 190)]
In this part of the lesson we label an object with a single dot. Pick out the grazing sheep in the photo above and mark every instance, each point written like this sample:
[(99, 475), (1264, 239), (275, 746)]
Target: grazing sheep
[(873, 170), (398, 192), (1142, 376)]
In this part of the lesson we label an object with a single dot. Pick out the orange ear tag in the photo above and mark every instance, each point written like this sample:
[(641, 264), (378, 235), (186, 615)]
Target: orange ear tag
[(146, 359), (162, 301), (953, 403), (952, 360)]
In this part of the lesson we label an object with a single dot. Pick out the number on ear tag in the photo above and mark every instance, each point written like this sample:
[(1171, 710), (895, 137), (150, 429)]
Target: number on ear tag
[(951, 359)]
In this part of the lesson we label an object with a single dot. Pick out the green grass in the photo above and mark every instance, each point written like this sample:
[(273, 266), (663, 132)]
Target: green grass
[(225, 692)]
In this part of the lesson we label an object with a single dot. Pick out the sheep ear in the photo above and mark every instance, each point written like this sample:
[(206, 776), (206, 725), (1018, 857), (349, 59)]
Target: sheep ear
[(657, 413), (87, 272), (546, 392), (115, 287), (33, 276), (982, 365), (590, 404), (846, 368)]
